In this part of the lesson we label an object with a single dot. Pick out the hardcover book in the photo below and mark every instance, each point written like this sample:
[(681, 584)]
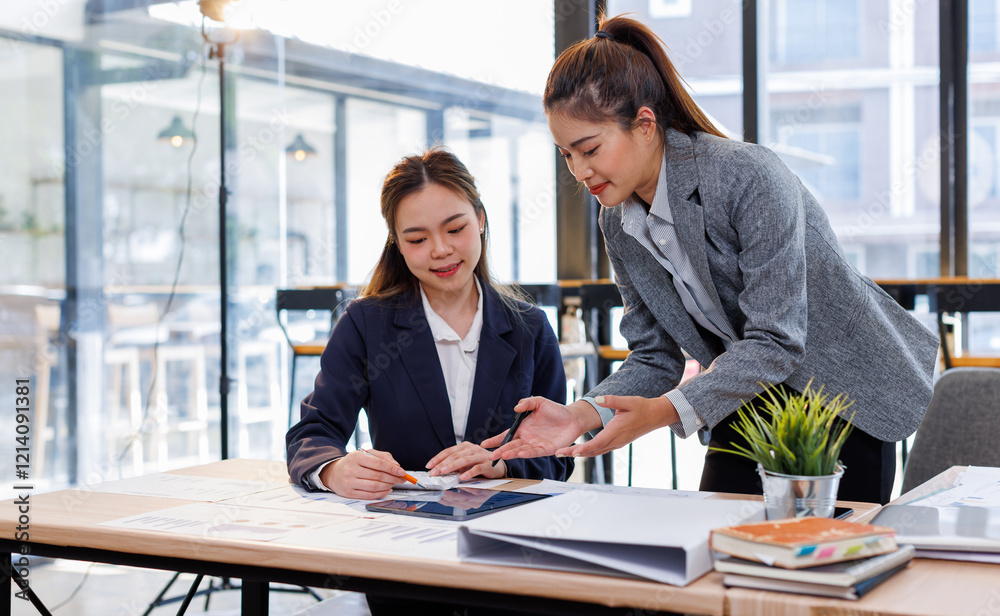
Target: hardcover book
[(803, 542)]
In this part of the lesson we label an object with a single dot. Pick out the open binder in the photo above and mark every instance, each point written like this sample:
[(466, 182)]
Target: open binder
[(659, 538)]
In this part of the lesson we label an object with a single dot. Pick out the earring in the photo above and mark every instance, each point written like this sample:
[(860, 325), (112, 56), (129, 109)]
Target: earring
[(480, 230)]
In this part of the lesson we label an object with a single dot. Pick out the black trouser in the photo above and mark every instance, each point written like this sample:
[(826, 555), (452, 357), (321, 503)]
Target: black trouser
[(870, 464)]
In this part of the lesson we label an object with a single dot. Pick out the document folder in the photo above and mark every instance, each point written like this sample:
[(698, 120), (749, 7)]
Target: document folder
[(658, 538)]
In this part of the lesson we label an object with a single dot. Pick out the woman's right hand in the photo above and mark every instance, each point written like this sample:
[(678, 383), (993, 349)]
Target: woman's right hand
[(363, 476)]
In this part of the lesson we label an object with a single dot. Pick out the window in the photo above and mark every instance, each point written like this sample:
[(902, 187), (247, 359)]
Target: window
[(816, 30), (665, 9), (313, 123), (838, 177), (983, 26)]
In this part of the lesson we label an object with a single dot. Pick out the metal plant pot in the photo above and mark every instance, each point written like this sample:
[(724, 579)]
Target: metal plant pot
[(796, 496)]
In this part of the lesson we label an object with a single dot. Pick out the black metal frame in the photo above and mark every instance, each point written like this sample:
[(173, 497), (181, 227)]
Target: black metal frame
[(256, 580)]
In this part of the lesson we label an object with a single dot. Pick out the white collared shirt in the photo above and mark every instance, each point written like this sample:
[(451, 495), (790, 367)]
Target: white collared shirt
[(458, 357)]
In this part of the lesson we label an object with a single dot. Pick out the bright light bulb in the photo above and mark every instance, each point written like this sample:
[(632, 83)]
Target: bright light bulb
[(177, 141), (300, 155)]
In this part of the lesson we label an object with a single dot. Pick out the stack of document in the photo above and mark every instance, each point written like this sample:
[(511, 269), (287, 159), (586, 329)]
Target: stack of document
[(652, 537), (960, 523)]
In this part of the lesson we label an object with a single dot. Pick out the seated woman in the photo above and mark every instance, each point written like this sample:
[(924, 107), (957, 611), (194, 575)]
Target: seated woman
[(434, 351)]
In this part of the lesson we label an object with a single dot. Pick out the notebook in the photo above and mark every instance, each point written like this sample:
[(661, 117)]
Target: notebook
[(853, 592)]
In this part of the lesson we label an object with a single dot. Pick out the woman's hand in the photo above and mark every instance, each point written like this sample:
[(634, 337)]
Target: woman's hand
[(359, 475), (634, 417), (466, 458), (549, 429)]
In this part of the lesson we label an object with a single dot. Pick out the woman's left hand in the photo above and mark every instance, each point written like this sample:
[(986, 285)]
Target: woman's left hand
[(635, 416), (466, 458)]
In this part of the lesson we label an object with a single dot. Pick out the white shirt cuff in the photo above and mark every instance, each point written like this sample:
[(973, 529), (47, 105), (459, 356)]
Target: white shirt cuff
[(689, 422), (314, 479)]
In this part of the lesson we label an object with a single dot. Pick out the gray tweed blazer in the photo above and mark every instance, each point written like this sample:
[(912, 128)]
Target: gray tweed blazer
[(764, 249)]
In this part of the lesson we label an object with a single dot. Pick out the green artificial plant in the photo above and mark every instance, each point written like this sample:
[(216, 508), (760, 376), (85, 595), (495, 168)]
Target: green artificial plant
[(797, 434)]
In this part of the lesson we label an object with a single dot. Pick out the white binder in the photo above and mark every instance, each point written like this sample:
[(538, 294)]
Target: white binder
[(651, 537)]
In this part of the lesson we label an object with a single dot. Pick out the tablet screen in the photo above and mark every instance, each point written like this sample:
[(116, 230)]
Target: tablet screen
[(455, 503)]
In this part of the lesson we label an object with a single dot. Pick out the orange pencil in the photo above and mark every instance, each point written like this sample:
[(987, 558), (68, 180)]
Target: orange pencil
[(406, 475)]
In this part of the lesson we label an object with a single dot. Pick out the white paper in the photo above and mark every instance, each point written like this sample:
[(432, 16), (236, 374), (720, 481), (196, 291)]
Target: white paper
[(385, 534), (549, 486), (483, 484), (977, 487), (665, 540), (296, 498), (186, 487), (217, 520), (424, 478), (979, 557)]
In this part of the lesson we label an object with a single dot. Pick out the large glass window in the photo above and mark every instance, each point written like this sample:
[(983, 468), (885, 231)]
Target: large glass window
[(811, 30), (32, 249), (853, 110), (320, 102), (983, 330)]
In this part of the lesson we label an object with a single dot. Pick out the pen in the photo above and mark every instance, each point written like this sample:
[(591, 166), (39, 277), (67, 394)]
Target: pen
[(406, 475), (513, 428)]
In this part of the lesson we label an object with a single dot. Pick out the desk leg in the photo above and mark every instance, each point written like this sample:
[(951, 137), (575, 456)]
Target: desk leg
[(254, 598), (5, 572), (8, 572)]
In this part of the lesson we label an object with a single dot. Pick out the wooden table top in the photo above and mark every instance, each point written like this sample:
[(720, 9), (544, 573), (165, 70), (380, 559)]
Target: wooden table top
[(927, 587)]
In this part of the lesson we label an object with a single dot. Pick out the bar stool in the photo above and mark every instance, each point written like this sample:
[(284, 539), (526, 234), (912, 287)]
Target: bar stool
[(267, 352), (136, 331), (122, 431)]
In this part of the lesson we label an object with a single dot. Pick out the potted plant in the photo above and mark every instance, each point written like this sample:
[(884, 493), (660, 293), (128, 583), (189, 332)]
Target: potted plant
[(796, 444)]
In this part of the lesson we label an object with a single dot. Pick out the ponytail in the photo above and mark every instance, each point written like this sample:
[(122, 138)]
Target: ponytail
[(614, 74)]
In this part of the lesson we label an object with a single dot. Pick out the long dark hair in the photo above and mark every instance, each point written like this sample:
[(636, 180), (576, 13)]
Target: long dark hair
[(611, 77), (391, 277)]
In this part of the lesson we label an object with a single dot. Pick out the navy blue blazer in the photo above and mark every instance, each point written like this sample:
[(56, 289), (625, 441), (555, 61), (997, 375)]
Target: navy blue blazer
[(381, 357)]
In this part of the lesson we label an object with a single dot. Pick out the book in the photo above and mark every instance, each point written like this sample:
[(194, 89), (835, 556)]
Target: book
[(803, 542), (808, 588), (843, 574)]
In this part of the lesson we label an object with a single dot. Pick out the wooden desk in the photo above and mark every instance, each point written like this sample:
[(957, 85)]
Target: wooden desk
[(64, 524)]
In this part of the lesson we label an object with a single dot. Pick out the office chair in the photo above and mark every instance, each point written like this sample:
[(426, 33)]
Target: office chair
[(961, 427)]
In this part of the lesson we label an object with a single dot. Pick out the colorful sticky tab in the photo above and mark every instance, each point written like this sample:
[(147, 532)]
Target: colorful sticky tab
[(853, 549), (827, 552)]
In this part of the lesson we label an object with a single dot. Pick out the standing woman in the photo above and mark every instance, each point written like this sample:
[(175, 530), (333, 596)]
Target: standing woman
[(434, 351), (717, 249)]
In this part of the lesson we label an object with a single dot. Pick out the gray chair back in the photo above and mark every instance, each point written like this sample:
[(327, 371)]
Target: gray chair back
[(962, 425)]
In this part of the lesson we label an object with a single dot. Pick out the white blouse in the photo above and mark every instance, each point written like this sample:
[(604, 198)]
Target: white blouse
[(458, 358)]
